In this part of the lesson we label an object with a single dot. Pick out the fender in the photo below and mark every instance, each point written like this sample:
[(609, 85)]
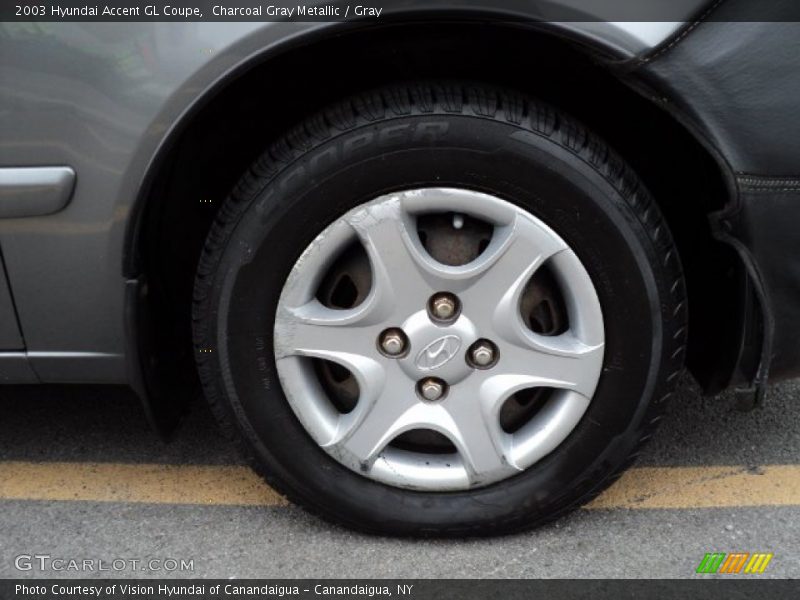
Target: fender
[(749, 58), (620, 41)]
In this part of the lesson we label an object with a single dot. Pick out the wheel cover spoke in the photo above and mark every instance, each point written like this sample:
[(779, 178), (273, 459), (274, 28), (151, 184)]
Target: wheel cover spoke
[(513, 256), (399, 262), (384, 412), (558, 362), (483, 445)]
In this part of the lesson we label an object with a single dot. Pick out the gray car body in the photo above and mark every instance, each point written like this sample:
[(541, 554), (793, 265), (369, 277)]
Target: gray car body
[(98, 101)]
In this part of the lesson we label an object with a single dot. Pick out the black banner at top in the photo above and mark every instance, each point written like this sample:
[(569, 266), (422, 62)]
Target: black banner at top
[(347, 10)]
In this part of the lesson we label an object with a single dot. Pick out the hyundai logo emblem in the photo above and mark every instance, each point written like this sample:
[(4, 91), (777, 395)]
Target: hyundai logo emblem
[(438, 352)]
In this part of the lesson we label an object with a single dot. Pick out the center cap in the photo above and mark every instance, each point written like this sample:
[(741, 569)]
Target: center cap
[(437, 350)]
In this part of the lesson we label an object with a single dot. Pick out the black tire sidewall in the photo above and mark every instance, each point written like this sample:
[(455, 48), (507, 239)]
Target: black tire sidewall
[(527, 168)]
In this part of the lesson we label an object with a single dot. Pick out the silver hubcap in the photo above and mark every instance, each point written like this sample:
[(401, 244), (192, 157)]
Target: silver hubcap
[(458, 350)]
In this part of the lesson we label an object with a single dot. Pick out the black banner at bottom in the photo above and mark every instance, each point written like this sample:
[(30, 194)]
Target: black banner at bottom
[(419, 589)]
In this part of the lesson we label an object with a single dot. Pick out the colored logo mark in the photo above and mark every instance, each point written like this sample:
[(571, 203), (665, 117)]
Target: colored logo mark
[(735, 562)]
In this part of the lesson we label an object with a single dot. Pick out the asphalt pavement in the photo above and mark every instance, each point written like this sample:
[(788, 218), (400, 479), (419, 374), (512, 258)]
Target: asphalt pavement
[(81, 438)]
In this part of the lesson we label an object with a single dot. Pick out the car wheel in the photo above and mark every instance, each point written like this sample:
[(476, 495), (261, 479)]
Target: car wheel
[(439, 309)]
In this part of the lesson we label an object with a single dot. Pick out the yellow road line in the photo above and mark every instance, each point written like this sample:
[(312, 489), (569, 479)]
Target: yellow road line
[(704, 487), (640, 488), (110, 482)]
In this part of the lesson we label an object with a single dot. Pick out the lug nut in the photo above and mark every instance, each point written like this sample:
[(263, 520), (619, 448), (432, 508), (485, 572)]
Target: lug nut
[(392, 342), (443, 306), (432, 389), (482, 354)]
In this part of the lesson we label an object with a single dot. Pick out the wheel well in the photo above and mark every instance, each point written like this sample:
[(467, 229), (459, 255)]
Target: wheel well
[(233, 128)]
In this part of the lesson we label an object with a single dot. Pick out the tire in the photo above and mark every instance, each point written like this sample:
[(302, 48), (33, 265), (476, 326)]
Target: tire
[(485, 140)]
